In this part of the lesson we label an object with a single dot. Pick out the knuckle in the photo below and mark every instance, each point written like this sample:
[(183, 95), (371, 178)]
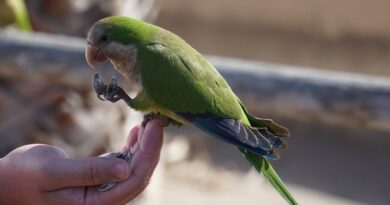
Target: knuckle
[(92, 173), (41, 151)]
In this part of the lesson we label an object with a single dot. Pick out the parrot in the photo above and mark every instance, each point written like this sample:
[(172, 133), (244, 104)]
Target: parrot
[(179, 86)]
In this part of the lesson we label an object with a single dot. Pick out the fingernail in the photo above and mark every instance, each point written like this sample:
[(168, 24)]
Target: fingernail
[(121, 171)]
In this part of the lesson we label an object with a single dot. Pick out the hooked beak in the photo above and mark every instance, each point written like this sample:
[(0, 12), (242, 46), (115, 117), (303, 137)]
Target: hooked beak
[(94, 55)]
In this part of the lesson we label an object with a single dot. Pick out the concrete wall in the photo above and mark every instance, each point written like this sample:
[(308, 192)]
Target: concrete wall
[(342, 35)]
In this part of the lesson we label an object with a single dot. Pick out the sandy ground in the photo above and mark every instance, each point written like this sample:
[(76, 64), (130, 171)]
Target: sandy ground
[(225, 187)]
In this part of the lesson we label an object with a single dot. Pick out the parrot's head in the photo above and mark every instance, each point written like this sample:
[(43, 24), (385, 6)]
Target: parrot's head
[(116, 39)]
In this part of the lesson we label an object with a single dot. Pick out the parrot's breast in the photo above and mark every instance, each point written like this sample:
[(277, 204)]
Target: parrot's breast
[(124, 60)]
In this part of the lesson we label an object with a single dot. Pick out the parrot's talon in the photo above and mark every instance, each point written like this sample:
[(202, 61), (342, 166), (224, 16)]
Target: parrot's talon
[(106, 186), (114, 94), (98, 84), (111, 92), (127, 156), (100, 97), (113, 84)]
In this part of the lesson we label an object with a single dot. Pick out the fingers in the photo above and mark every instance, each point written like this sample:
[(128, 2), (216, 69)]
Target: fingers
[(84, 172), (151, 141), (94, 171), (143, 165), (132, 138), (148, 153)]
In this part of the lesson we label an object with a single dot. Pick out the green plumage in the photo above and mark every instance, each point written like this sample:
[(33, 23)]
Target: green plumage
[(191, 87), (180, 83)]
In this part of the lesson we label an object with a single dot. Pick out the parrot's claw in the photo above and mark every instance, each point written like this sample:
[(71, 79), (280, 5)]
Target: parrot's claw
[(114, 94), (113, 84), (127, 156), (99, 85), (111, 92), (100, 98)]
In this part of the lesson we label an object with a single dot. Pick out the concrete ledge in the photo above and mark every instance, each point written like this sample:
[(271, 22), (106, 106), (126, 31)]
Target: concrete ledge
[(300, 94)]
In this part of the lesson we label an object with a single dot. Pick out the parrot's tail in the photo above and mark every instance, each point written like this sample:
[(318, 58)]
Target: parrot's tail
[(258, 139), (265, 168)]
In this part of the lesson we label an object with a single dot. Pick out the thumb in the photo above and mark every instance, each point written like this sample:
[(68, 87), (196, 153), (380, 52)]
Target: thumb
[(86, 172)]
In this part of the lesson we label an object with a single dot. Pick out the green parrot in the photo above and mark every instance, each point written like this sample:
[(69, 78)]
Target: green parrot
[(176, 84)]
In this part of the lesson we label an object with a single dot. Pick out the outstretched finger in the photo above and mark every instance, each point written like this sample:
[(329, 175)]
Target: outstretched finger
[(143, 165), (132, 138), (85, 172)]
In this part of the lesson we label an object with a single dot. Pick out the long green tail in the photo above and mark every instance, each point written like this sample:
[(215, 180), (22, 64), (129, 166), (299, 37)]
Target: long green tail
[(265, 168)]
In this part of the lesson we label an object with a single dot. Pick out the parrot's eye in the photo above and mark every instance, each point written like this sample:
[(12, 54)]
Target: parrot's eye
[(103, 38)]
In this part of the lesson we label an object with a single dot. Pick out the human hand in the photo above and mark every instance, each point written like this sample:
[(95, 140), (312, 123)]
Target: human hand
[(43, 174)]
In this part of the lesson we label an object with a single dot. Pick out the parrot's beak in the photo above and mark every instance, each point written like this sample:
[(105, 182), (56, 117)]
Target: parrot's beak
[(94, 55)]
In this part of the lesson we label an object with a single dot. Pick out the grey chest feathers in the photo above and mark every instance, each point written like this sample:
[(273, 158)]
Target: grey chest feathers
[(124, 59)]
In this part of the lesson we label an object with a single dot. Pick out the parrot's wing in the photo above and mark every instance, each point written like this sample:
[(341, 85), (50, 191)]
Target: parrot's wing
[(183, 82), (256, 140)]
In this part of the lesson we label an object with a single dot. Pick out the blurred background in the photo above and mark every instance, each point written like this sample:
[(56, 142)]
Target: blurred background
[(321, 68)]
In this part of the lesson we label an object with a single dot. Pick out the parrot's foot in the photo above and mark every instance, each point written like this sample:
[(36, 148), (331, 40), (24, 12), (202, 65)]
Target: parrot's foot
[(111, 92), (165, 120), (127, 156)]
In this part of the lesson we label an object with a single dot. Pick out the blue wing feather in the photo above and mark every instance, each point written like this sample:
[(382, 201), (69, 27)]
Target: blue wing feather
[(233, 131)]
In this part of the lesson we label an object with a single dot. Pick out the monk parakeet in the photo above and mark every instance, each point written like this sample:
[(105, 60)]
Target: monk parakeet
[(177, 84)]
